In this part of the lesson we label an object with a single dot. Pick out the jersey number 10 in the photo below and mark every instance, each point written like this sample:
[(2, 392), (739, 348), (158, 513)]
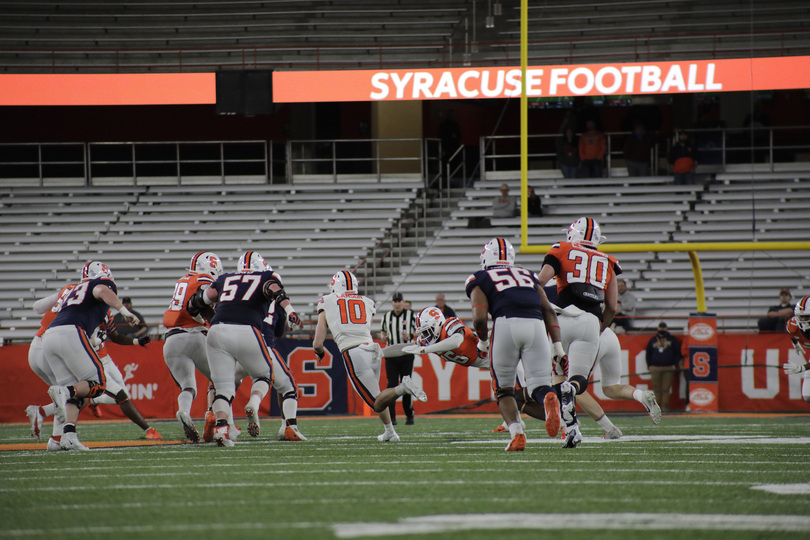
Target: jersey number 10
[(352, 310)]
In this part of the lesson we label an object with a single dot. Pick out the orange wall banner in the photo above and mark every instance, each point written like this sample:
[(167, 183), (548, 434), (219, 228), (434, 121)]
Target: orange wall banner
[(750, 379), (687, 76), (108, 89)]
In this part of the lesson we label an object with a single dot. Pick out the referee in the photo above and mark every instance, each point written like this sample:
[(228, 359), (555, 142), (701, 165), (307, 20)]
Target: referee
[(398, 329)]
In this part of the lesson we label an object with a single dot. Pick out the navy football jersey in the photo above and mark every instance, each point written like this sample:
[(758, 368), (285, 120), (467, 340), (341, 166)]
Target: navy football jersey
[(510, 291), (82, 309), (274, 330), (243, 297)]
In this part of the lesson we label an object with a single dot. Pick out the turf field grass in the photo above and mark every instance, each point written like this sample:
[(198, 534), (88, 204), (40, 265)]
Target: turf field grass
[(692, 477)]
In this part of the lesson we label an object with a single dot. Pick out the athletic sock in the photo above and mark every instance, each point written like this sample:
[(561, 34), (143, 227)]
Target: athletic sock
[(638, 395), (605, 423)]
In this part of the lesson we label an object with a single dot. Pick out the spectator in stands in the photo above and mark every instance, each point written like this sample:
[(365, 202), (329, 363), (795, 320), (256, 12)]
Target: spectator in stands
[(627, 308), (663, 360), (398, 330), (126, 329), (778, 315), (446, 310), (637, 151), (567, 153), (683, 159), (504, 205), (534, 205), (592, 148)]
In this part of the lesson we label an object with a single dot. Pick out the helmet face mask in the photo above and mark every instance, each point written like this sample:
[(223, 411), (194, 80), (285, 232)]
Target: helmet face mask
[(497, 252), (252, 261), (344, 282), (95, 269), (430, 321), (206, 262), (585, 231), (802, 313)]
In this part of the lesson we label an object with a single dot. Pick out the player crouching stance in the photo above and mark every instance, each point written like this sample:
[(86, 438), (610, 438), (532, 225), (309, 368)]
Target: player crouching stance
[(798, 328), (519, 308), (347, 315)]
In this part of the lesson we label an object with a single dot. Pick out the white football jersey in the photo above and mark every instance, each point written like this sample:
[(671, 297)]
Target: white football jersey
[(349, 318)]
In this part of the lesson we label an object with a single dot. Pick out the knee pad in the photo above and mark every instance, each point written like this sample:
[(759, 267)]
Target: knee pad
[(121, 397), (582, 381), (220, 396), (268, 380), (78, 402), (502, 393), (96, 389), (289, 395)]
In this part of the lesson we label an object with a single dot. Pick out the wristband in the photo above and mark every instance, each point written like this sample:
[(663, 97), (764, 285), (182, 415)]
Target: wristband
[(479, 305), (558, 349), (136, 341), (289, 309), (483, 344), (125, 312)]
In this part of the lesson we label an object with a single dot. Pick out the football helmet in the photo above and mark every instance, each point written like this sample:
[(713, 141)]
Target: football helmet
[(497, 252), (95, 269), (802, 313), (430, 321), (585, 231), (251, 261), (343, 282), (206, 262)]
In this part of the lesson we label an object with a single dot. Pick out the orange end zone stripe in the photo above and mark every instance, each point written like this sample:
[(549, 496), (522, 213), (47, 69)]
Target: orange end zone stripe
[(108, 89)]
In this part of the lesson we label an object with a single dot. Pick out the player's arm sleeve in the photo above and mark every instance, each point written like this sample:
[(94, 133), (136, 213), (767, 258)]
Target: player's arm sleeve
[(43, 305), (453, 342)]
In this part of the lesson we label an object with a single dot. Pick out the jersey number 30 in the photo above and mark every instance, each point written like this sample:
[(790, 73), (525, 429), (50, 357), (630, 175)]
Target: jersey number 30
[(588, 268)]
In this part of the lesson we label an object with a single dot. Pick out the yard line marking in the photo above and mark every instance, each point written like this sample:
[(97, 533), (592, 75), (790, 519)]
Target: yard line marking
[(435, 524), (785, 489), (678, 439)]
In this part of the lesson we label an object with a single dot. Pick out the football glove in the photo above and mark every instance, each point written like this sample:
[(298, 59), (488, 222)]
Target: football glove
[(142, 341), (130, 317), (794, 369), (294, 320), (483, 348), (413, 349), (320, 354), (560, 359)]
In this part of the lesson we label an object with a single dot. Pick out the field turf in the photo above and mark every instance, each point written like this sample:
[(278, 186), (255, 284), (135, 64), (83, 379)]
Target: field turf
[(692, 477)]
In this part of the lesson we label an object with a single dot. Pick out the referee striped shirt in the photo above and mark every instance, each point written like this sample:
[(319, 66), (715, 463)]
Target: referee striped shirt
[(394, 325)]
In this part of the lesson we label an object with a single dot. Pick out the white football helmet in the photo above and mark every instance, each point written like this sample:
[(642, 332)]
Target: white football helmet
[(344, 282), (206, 262), (802, 313), (430, 321), (251, 261), (585, 231), (95, 269), (497, 252)]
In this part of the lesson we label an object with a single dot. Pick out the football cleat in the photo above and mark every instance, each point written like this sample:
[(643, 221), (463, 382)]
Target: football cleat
[(188, 426), (552, 407), (70, 441), (36, 418), (59, 395), (53, 445), (572, 437), (497, 252), (501, 428), (291, 433), (252, 420), (222, 437), (517, 444), (234, 431), (210, 423), (648, 400), (612, 434), (413, 389), (94, 410), (153, 435), (388, 436), (567, 403), (430, 321), (344, 282), (585, 231)]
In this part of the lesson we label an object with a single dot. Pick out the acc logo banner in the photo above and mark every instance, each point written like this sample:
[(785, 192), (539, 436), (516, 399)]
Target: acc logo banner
[(686, 76)]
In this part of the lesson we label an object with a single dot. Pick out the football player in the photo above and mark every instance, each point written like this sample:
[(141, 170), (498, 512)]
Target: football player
[(347, 315), (67, 349), (522, 320), (235, 336), (798, 328), (447, 338), (585, 280)]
